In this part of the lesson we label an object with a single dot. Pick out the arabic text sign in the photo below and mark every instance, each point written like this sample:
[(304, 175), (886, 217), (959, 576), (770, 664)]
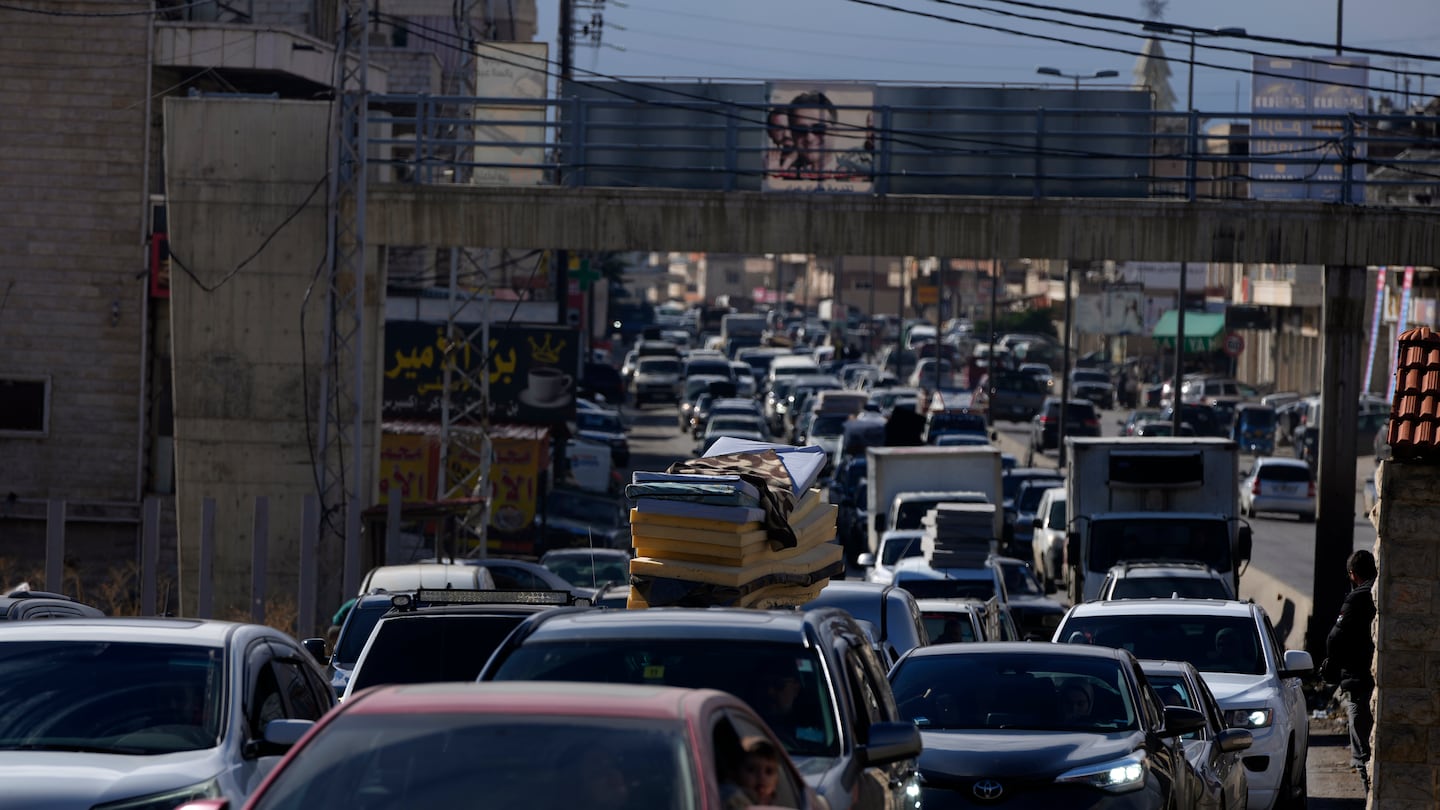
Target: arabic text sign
[(1302, 158)]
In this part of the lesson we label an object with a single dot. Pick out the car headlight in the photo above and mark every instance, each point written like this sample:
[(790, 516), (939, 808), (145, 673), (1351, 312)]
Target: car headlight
[(1248, 718), (1117, 776), (168, 800)]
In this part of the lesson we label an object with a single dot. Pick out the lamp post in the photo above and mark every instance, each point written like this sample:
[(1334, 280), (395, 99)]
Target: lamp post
[(1193, 34), (1078, 77)]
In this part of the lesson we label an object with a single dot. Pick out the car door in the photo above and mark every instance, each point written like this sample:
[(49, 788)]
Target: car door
[(280, 684), (1293, 689), (878, 786), (1166, 753)]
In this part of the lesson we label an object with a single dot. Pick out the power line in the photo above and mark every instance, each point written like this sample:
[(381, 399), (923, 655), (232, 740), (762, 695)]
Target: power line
[(45, 12)]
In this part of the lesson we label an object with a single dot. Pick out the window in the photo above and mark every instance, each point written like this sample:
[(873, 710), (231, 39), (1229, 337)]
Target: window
[(25, 406), (303, 703)]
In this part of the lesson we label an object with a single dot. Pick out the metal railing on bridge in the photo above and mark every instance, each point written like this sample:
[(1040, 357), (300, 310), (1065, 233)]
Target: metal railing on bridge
[(984, 151)]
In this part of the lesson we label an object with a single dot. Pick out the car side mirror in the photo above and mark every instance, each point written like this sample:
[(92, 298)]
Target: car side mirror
[(1298, 664), (277, 737), (1037, 523), (1234, 739), (865, 560), (1180, 720), (206, 804), (1247, 541), (316, 648), (890, 742)]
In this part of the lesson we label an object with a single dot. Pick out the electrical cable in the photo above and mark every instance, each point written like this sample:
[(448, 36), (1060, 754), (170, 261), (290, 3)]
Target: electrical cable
[(141, 13)]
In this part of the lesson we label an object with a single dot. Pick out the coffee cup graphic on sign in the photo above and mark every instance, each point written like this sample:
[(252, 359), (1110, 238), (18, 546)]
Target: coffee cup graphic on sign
[(547, 388)]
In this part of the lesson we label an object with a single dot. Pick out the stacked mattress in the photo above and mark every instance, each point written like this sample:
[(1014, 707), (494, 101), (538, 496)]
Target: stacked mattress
[(744, 526), (958, 535)]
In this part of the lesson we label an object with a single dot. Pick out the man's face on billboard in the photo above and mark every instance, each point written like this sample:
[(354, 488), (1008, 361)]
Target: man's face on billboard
[(808, 126)]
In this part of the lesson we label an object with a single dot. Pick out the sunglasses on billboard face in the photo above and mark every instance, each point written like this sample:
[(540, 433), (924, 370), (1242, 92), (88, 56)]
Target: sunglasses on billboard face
[(818, 130)]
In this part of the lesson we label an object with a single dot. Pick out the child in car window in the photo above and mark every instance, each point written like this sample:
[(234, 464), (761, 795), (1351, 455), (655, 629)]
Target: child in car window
[(756, 778)]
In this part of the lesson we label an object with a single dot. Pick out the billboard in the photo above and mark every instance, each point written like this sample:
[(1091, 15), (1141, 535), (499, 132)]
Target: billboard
[(821, 138), (510, 138), (1117, 310), (1302, 159), (531, 372)]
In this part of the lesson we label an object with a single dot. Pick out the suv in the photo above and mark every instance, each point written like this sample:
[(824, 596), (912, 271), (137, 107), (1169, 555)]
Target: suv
[(1081, 419), (1164, 579), (891, 610), (18, 605), (443, 635), (842, 728), (1094, 385), (1013, 395), (657, 379), (1256, 681)]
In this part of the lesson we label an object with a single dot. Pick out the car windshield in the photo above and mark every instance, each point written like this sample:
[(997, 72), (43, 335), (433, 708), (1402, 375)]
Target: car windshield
[(1015, 381), (1291, 473), (587, 510), (356, 630), (1020, 582), (589, 571), (828, 425), (425, 648), (719, 368), (898, 548), (110, 697), (946, 627), (807, 729), (724, 426), (649, 366), (926, 588), (446, 759), (1204, 541), (910, 513), (597, 421), (1210, 643), (1027, 499), (965, 691), (1256, 419), (1167, 587), (1090, 376)]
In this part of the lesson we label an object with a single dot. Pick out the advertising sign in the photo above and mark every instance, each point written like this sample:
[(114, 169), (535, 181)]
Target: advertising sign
[(408, 465), (1375, 315), (511, 138), (515, 483), (821, 138), (1301, 158), (531, 372)]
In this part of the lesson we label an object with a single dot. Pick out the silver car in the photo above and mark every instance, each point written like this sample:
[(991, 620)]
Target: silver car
[(146, 714), (1279, 485)]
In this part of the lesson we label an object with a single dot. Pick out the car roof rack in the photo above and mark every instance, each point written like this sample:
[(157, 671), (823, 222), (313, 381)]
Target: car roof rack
[(406, 602)]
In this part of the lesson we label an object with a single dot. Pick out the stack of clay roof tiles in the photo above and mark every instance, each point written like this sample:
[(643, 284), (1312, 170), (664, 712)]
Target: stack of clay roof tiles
[(1415, 413)]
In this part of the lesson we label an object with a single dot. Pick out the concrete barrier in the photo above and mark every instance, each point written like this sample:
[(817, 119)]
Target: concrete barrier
[(1289, 609)]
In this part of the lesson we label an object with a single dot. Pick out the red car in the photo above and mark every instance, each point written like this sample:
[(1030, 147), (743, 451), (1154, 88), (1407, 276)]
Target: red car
[(537, 745)]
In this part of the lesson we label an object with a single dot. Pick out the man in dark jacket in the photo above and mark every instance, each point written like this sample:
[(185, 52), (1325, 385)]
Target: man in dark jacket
[(1349, 650)]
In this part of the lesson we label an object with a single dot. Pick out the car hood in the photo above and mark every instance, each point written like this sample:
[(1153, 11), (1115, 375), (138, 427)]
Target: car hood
[(971, 754), (65, 780), (1233, 691)]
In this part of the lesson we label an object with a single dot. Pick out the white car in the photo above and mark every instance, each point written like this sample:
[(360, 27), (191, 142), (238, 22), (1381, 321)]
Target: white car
[(122, 714), (1279, 485), (1047, 544), (1254, 679), (894, 547)]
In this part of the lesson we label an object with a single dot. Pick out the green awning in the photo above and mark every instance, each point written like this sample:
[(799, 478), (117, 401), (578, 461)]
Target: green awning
[(1204, 331)]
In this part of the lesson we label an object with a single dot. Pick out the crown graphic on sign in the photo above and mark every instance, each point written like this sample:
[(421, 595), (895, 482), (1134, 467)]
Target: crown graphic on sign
[(548, 352)]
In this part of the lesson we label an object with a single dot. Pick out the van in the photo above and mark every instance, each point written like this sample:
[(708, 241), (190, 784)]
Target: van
[(409, 577), (790, 365)]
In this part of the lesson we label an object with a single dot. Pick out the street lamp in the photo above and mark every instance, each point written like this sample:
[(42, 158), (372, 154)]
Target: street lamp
[(1078, 77), (1193, 34)]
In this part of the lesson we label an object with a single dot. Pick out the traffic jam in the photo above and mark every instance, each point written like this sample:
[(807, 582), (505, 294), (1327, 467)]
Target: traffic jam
[(813, 577)]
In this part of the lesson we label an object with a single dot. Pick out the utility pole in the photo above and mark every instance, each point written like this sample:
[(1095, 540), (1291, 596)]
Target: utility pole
[(1064, 376), (1340, 386)]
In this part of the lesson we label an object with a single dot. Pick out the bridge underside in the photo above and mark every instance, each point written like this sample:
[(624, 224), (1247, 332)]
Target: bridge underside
[(619, 219)]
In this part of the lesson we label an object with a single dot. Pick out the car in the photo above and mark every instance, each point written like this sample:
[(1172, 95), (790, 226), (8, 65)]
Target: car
[(354, 630), (895, 545), (1012, 395), (932, 373), (409, 576), (605, 380), (606, 428), (1020, 724), (744, 379), (1151, 428), (656, 379), (543, 746), (735, 427), (1019, 528), (710, 366), (589, 567), (1081, 419), (1234, 645), (1040, 371), (523, 575), (1279, 485), (23, 604), (1133, 419), (443, 635), (1214, 750), (891, 610), (148, 713), (1094, 385), (691, 393), (961, 440), (1165, 579), (1035, 613), (827, 430), (1047, 542), (841, 728), (924, 581), (724, 406), (952, 621), (578, 519)]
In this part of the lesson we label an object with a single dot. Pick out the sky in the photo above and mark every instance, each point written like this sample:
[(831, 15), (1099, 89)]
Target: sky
[(850, 40)]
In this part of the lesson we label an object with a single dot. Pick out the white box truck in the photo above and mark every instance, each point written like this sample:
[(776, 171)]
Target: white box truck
[(892, 471), (1135, 498)]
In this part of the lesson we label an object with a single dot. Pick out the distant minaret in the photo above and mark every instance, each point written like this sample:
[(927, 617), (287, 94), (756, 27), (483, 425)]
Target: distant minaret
[(1152, 70)]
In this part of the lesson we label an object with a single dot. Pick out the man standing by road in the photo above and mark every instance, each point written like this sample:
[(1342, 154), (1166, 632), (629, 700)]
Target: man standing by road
[(1349, 650)]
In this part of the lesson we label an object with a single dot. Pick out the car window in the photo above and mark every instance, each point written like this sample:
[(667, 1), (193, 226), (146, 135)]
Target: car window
[(301, 702), (1167, 587), (1057, 515), (654, 366), (266, 701), (1152, 708), (514, 578), (421, 649), (947, 627), (1209, 643), (898, 548), (1174, 690), (1020, 581), (356, 631), (1288, 473), (733, 730)]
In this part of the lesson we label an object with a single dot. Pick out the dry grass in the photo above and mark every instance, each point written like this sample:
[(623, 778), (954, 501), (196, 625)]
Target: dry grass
[(117, 592)]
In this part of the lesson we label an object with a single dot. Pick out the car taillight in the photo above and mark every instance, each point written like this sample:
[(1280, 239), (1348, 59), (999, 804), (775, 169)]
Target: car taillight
[(1312, 489), (1255, 487), (1092, 423), (1045, 420)]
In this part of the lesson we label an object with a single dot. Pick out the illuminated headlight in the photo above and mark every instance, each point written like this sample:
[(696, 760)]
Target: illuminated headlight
[(1248, 718), (1116, 776), (168, 800)]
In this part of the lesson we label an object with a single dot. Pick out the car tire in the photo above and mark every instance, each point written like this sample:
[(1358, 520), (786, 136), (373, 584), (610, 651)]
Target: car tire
[(1288, 797)]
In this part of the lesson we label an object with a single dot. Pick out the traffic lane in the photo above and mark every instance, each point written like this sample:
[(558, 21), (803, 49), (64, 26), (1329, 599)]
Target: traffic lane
[(655, 438)]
